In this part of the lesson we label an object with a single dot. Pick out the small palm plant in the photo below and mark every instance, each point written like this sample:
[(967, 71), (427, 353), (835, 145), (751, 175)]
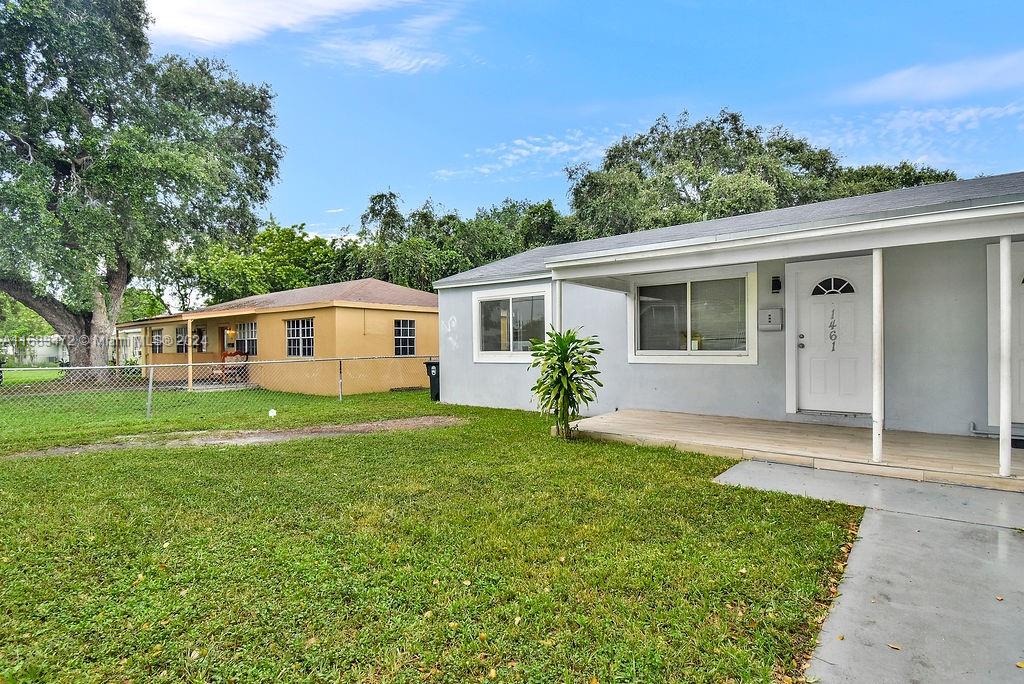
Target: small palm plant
[(568, 375)]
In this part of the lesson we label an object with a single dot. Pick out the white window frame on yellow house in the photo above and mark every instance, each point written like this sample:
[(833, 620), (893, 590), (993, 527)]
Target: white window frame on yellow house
[(247, 338), (405, 337), (301, 328)]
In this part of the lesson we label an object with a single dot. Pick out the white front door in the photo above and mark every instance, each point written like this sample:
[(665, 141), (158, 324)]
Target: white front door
[(831, 301)]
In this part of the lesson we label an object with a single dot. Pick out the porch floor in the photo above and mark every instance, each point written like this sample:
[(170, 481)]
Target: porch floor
[(908, 455)]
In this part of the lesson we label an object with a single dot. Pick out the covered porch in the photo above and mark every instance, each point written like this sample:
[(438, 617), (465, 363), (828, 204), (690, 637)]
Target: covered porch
[(911, 328), (950, 459)]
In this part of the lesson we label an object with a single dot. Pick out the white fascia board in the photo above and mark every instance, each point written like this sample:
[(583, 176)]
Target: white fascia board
[(736, 240), (987, 222), (543, 275)]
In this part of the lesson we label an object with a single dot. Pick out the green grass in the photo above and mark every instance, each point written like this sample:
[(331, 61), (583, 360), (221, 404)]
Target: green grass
[(21, 377), (435, 555), (70, 419)]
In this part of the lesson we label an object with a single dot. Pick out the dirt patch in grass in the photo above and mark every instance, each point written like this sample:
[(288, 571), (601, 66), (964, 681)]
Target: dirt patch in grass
[(245, 437)]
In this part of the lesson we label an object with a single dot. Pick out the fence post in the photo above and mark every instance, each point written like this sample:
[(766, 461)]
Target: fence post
[(149, 396), (341, 374), (188, 350)]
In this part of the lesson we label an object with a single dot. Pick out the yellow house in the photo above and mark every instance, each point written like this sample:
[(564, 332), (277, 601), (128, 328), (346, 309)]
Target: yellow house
[(352, 337)]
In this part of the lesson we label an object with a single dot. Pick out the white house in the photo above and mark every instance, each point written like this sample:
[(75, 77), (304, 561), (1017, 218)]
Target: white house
[(128, 346), (900, 310), (29, 351)]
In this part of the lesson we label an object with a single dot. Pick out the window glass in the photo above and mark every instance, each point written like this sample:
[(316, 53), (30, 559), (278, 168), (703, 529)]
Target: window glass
[(180, 340), (718, 315), (245, 338), (662, 317), (508, 325), (833, 285), (527, 321), (494, 333), (157, 341), (299, 337), (199, 339), (405, 337)]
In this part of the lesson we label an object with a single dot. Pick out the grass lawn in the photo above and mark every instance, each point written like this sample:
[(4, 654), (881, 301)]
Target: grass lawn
[(486, 551), (16, 376), (69, 419)]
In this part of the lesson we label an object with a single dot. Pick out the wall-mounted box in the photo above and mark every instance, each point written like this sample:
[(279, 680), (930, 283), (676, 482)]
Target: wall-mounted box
[(769, 320)]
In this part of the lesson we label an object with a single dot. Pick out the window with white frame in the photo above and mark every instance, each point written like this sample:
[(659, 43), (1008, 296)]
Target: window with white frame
[(181, 340), (156, 341), (245, 338), (299, 337), (506, 324), (405, 337), (702, 317)]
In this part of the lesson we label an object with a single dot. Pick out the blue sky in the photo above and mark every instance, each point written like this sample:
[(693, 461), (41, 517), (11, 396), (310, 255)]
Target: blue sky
[(471, 102)]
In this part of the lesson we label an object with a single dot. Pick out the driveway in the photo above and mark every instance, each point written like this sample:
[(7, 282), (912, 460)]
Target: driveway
[(934, 587)]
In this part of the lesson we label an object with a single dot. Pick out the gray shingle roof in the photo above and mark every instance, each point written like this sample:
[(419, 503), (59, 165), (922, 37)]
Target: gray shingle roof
[(908, 201)]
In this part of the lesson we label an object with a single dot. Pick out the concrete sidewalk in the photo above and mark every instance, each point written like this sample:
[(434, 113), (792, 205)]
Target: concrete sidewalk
[(950, 502), (934, 588)]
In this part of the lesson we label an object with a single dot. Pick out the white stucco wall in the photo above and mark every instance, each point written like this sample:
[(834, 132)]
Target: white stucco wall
[(935, 339)]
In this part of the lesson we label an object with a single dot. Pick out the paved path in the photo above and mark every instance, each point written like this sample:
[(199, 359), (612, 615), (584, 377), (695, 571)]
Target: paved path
[(934, 588), (952, 502)]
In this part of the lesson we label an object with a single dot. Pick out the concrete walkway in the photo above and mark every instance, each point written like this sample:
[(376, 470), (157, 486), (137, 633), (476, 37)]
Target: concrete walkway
[(934, 588)]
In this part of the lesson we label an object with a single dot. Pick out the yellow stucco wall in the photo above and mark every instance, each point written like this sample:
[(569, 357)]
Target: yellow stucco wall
[(338, 331), (371, 332)]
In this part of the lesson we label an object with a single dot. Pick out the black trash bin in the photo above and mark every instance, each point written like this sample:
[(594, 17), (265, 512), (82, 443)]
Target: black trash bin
[(434, 373)]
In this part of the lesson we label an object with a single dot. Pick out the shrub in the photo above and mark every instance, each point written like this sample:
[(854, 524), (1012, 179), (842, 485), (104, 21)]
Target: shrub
[(568, 375)]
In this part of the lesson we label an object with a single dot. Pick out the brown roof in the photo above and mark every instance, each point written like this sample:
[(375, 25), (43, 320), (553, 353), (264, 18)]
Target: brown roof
[(366, 291)]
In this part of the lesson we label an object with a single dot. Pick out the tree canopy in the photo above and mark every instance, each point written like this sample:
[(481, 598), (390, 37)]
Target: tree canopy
[(685, 171), (412, 248), (19, 321), (430, 243), (139, 303), (277, 258), (112, 159), (125, 177)]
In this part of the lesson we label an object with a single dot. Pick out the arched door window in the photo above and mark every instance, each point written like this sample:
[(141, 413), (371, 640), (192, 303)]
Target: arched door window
[(833, 285)]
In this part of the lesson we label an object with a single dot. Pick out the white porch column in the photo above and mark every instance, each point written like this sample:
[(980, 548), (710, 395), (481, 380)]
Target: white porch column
[(877, 357), (558, 305), (188, 351), (1005, 367)]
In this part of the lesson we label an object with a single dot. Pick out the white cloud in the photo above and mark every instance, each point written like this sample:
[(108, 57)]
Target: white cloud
[(533, 155), (407, 46), (931, 82), (966, 138), (334, 211), (222, 22)]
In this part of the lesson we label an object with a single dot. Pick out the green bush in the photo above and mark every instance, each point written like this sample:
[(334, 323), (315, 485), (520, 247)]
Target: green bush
[(568, 375)]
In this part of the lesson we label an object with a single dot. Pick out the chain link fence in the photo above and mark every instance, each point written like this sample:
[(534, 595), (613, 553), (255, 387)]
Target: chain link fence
[(134, 394)]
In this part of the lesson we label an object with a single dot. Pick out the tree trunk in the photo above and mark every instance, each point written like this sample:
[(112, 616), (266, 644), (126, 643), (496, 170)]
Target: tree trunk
[(106, 310), (73, 327), (88, 336)]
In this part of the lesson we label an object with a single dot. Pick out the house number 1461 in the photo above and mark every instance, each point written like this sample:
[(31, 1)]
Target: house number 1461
[(833, 329)]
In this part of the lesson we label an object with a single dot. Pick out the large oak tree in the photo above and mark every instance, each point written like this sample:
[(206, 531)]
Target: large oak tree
[(112, 161), (685, 171)]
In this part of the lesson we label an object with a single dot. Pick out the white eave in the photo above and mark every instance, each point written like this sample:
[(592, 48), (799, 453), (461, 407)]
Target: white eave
[(795, 241)]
